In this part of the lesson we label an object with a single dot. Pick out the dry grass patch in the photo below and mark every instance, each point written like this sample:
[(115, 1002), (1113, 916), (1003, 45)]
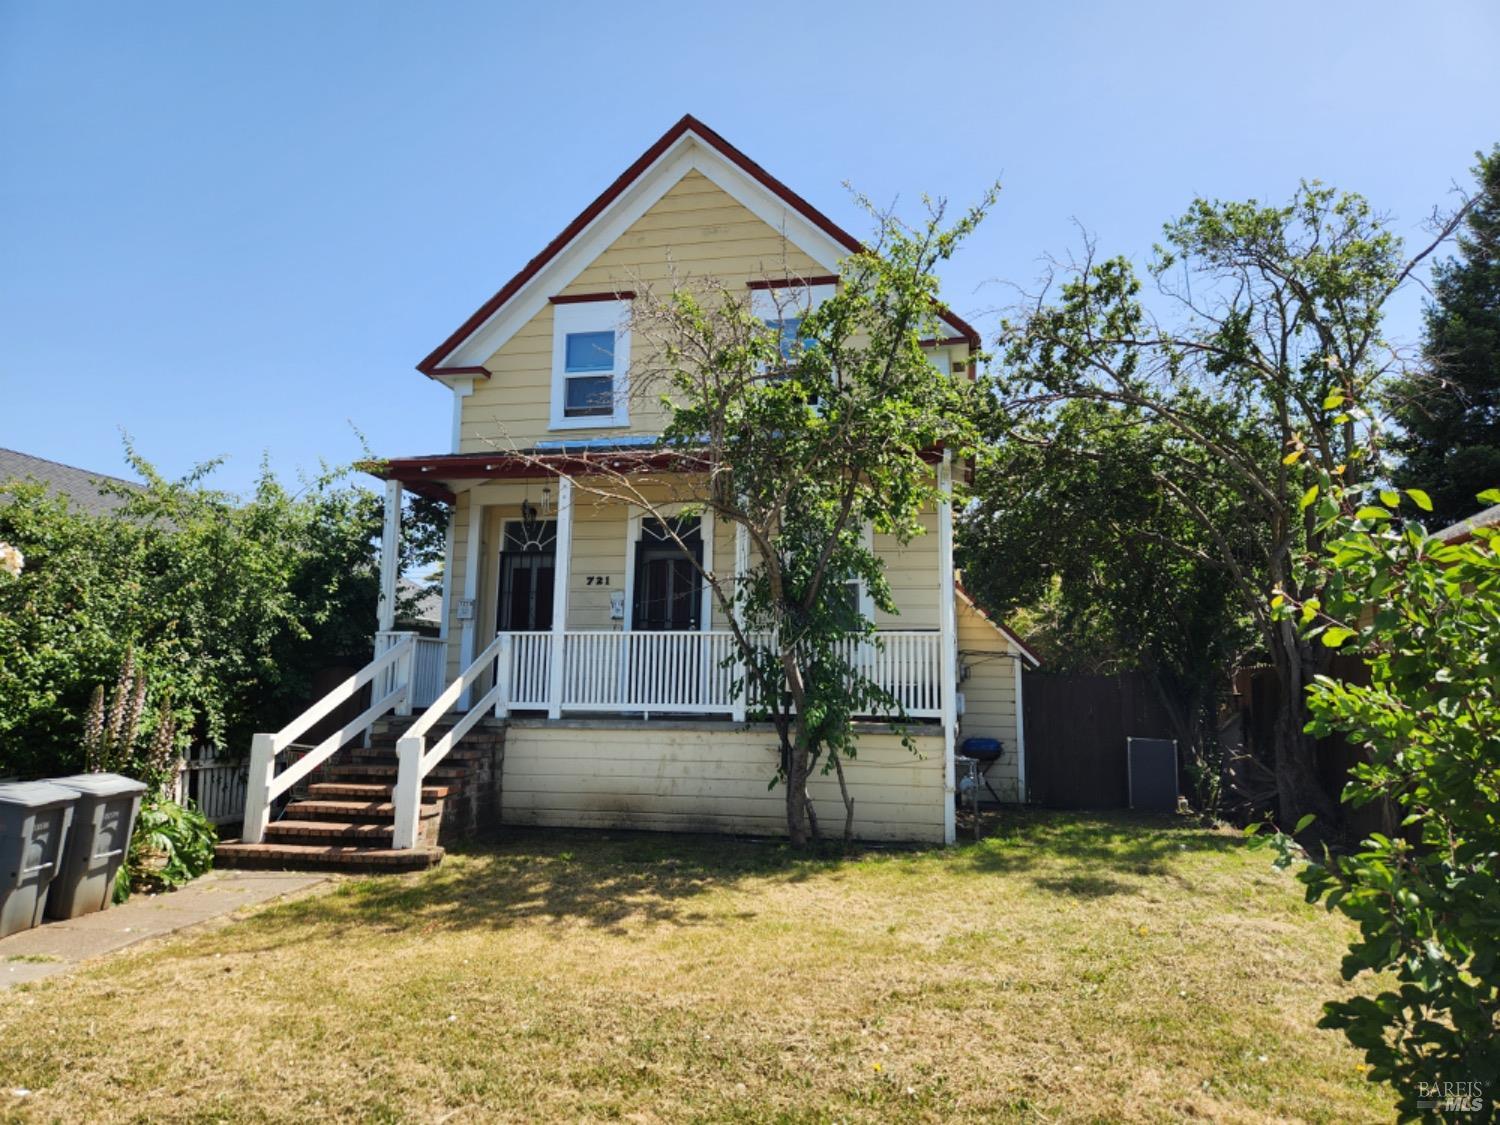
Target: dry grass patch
[(1075, 968)]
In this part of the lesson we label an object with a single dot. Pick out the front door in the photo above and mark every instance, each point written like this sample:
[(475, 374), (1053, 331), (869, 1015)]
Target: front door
[(528, 569), (668, 586)]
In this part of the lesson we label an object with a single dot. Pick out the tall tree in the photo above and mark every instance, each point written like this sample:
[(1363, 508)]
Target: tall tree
[(1104, 566), (1263, 373), (801, 438), (1450, 411)]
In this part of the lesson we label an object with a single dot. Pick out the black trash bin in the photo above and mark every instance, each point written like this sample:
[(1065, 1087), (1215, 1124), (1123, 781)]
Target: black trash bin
[(34, 820), (103, 820)]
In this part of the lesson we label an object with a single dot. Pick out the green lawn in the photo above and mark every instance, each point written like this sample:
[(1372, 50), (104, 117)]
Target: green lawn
[(1068, 967)]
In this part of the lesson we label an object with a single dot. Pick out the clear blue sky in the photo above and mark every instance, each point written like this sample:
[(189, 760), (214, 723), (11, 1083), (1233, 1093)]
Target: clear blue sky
[(234, 228)]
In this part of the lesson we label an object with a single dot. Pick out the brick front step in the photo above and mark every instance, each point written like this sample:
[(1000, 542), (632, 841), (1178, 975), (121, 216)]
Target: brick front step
[(322, 831), (350, 810), (373, 791), (326, 857), (387, 772)]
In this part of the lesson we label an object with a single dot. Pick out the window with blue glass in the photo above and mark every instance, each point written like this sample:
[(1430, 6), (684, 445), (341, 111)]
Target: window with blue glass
[(789, 329), (588, 374)]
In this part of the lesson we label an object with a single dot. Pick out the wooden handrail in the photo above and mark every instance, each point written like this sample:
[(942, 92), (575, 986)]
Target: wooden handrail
[(263, 785), (414, 762)]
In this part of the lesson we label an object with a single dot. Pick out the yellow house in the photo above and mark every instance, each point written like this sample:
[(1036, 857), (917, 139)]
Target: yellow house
[(571, 625)]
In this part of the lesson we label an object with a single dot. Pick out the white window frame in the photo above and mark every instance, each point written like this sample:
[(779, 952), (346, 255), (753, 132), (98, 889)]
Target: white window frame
[(591, 316), (775, 303)]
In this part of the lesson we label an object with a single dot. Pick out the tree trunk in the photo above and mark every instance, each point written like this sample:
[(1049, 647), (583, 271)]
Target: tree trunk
[(796, 792), (1299, 789)]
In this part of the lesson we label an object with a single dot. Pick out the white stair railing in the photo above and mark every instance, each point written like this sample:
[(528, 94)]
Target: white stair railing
[(391, 673), (415, 761)]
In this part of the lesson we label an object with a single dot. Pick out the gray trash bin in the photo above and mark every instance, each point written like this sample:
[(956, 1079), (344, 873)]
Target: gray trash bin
[(103, 820), (34, 821)]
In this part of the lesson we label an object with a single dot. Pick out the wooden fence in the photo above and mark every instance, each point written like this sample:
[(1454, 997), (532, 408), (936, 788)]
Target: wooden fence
[(1076, 727), (214, 779)]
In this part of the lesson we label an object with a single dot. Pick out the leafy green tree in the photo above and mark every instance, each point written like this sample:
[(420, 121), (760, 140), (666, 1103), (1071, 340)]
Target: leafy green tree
[(229, 604), (1450, 411), (1114, 575), (1273, 342), (802, 439), (1426, 618)]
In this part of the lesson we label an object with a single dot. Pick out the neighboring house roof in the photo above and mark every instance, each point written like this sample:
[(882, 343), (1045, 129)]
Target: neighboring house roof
[(687, 145), (80, 486), (429, 607), (1021, 646), (1463, 530)]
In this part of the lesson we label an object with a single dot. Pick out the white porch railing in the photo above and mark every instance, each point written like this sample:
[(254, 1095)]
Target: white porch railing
[(429, 666), (390, 673), (689, 672)]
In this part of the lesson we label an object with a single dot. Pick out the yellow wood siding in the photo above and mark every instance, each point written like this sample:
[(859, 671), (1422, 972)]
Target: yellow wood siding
[(987, 661), (912, 570), (695, 228), (708, 778)]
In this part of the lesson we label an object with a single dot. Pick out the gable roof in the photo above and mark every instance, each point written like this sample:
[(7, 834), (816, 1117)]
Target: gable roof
[(80, 486), (687, 145), (1020, 645)]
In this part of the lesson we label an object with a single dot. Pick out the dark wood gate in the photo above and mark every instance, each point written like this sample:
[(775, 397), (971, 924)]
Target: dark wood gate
[(1076, 727)]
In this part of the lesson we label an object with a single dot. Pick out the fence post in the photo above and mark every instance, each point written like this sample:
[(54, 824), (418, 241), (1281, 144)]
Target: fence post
[(503, 663), (408, 794), (258, 788)]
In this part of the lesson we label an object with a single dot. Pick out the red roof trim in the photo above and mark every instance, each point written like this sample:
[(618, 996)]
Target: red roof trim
[(475, 372), (582, 298), (794, 282), (998, 626), (688, 124)]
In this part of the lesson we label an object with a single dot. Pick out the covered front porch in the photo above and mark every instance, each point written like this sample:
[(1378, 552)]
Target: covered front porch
[(575, 604)]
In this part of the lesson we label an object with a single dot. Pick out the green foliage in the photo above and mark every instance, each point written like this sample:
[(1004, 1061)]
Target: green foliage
[(230, 604), (803, 448), (1110, 573), (1426, 618), (1233, 408), (172, 845), (1450, 411)]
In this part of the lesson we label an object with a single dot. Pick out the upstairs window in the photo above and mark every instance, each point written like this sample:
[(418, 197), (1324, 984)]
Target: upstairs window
[(590, 357), (588, 374)]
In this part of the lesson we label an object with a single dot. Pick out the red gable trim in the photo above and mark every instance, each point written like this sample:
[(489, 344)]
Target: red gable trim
[(475, 372), (794, 282), (688, 124), (581, 298)]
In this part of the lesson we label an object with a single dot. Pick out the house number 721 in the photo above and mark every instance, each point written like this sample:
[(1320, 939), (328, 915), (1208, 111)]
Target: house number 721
[(596, 580)]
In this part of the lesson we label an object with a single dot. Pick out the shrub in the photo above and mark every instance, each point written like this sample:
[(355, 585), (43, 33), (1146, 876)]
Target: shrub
[(1426, 618), (172, 845)]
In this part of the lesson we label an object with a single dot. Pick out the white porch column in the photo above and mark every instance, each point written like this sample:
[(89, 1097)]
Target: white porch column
[(741, 571), (390, 562), (948, 624), (472, 556), (562, 569)]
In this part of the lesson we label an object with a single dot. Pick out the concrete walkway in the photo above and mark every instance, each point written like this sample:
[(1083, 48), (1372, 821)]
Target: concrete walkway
[(56, 947)]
